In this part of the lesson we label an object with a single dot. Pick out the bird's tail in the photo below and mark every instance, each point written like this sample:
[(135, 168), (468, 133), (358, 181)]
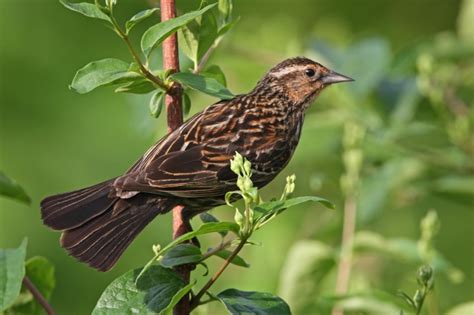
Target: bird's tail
[(97, 226)]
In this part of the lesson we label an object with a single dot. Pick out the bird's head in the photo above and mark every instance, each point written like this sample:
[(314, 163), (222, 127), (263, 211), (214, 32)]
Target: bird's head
[(300, 79)]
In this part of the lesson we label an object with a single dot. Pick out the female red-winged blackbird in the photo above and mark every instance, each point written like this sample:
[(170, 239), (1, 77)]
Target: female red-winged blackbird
[(190, 166)]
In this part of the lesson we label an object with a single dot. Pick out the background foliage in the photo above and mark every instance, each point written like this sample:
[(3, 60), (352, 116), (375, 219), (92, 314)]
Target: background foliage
[(412, 101)]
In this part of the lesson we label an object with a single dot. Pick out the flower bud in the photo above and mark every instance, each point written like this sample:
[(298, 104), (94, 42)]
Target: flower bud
[(234, 167), (240, 183), (238, 217), (425, 273), (248, 185), (247, 167)]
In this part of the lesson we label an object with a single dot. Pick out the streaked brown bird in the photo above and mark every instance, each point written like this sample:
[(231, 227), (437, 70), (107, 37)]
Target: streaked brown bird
[(190, 166)]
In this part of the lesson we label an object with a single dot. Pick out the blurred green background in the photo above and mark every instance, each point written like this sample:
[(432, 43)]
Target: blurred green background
[(413, 97)]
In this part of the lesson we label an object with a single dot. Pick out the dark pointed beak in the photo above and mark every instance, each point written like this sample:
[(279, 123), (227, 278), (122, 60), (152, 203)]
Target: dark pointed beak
[(334, 77)]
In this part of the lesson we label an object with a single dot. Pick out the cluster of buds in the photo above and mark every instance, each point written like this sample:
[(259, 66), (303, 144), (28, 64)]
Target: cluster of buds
[(242, 167)]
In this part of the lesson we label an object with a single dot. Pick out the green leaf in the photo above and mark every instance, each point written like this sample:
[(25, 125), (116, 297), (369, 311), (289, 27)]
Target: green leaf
[(203, 84), (207, 33), (180, 255), (189, 40), (157, 102), (186, 103), (12, 271), (11, 189), (466, 308), (307, 265), (280, 205), (41, 273), (245, 302), (206, 217), (138, 86), (203, 229), (102, 72), (216, 73), (153, 292), (87, 9), (227, 27), (198, 36), (238, 261), (156, 34), (225, 10), (139, 17), (176, 298)]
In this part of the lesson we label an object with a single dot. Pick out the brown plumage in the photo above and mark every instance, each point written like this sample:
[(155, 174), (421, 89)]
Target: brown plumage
[(190, 166)]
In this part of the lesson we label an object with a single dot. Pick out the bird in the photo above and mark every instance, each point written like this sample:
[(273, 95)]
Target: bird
[(190, 166)]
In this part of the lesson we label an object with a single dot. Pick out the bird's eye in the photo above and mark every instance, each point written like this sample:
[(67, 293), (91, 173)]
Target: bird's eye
[(310, 72)]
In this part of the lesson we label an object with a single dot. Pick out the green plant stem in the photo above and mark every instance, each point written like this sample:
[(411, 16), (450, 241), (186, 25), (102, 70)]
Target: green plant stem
[(205, 58), (345, 263), (135, 56), (196, 299), (419, 307), (217, 249), (38, 296)]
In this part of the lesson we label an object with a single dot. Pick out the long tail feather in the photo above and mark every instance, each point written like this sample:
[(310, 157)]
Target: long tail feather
[(72, 209), (101, 241), (98, 228)]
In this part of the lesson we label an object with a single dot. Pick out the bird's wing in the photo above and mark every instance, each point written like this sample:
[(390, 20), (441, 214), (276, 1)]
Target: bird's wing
[(183, 164)]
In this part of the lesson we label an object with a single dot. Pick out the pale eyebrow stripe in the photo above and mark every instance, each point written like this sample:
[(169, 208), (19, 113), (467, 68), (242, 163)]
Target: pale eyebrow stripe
[(287, 70)]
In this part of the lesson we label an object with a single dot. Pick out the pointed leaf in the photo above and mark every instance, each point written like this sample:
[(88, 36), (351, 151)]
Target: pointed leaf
[(138, 86), (12, 271), (100, 73), (186, 103), (206, 228), (139, 17), (10, 188), (206, 217), (189, 40), (156, 103), (153, 292), (227, 27), (203, 84), (215, 72), (225, 10), (180, 255), (176, 298), (280, 205), (203, 229), (156, 34), (244, 302), (87, 9), (207, 33), (238, 261)]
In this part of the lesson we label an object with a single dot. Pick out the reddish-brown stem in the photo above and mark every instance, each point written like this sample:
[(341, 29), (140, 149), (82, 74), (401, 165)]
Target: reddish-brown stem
[(195, 301), (175, 119), (171, 61), (38, 296)]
